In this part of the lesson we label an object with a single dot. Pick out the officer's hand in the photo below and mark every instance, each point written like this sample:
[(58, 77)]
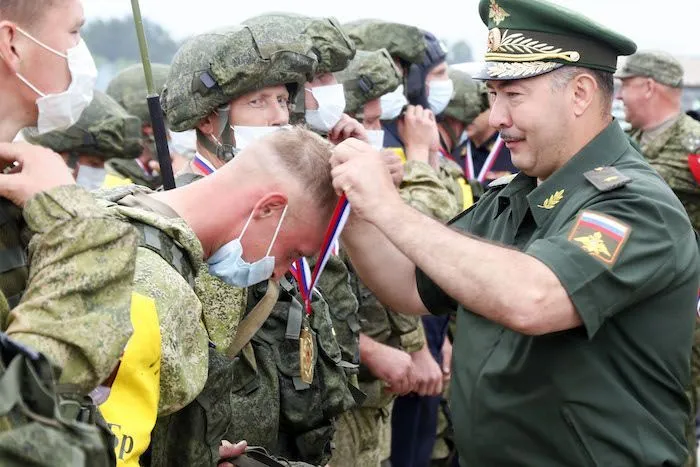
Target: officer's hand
[(359, 172), (393, 366), (446, 360), (346, 128), (428, 375), (227, 450), (39, 169), (419, 132), (394, 164)]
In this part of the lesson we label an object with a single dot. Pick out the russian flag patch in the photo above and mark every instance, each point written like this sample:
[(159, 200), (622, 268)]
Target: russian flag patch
[(600, 235)]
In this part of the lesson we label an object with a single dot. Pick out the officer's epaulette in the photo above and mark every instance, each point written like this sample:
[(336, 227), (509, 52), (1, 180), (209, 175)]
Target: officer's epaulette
[(503, 181), (607, 178)]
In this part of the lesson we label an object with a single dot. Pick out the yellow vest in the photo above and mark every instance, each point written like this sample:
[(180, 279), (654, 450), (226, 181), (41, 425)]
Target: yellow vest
[(132, 406)]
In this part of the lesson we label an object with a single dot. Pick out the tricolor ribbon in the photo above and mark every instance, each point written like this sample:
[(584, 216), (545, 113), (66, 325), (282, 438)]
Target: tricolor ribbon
[(307, 281), (488, 163), (202, 164)]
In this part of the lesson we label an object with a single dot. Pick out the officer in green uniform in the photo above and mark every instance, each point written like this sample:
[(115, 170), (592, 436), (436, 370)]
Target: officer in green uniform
[(574, 334)]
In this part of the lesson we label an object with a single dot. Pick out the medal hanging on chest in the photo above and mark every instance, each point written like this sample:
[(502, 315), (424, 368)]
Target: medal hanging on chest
[(306, 354), (307, 281)]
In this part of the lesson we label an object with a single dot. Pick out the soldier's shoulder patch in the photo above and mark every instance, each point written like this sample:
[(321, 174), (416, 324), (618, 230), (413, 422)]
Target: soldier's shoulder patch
[(606, 178), (503, 181), (600, 235)]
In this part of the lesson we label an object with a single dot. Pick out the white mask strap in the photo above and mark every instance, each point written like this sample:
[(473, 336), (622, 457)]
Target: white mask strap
[(277, 230), (30, 85), (41, 44)]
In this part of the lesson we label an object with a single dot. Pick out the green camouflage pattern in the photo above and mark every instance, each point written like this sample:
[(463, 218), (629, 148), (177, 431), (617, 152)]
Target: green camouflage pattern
[(334, 285), (131, 170), (254, 397), (668, 154), (223, 307), (425, 190), (129, 89), (184, 340), (401, 40), (359, 437), (470, 97), (212, 69), (33, 428), (104, 129), (452, 176), (332, 47), (660, 66), (75, 309), (369, 76)]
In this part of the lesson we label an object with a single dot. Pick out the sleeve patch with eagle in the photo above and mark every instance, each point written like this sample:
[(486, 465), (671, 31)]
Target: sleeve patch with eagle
[(600, 235)]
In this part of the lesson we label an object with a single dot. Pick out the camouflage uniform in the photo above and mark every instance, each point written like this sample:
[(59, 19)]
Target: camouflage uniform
[(667, 148), (81, 324), (85, 327), (104, 130), (258, 395), (128, 88)]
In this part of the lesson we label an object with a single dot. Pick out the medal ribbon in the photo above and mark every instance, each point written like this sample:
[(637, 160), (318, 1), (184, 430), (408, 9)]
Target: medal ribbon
[(488, 163), (307, 281), (202, 164)]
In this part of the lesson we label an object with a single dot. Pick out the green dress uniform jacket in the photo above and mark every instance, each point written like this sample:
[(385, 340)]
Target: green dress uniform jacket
[(611, 392)]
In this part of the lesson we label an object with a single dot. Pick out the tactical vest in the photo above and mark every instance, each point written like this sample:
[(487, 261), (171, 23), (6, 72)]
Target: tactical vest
[(259, 395), (34, 426)]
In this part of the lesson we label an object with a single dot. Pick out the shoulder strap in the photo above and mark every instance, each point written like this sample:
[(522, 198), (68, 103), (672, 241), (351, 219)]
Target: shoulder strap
[(158, 242), (255, 319)]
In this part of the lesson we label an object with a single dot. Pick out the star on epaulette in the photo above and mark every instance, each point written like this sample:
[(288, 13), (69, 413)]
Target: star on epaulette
[(607, 178), (503, 181)]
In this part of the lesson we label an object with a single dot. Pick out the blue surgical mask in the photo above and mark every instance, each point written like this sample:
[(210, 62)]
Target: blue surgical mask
[(227, 262)]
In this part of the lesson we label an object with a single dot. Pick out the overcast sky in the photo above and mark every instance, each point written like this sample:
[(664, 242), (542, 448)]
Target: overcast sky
[(654, 24)]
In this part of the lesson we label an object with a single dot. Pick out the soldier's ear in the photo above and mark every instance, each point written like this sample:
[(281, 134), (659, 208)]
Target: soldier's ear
[(8, 52), (207, 125)]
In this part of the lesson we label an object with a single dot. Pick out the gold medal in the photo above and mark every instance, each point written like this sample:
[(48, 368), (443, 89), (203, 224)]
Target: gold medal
[(306, 355)]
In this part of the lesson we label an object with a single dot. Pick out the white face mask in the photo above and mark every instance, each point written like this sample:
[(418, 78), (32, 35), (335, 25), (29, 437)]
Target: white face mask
[(439, 95), (227, 262), (60, 111), (184, 142), (90, 178), (244, 135), (376, 138), (392, 104), (331, 105)]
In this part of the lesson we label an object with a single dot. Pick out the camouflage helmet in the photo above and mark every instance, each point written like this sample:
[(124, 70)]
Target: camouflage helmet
[(214, 68), (470, 97), (128, 88), (369, 76), (333, 48), (104, 129), (402, 41)]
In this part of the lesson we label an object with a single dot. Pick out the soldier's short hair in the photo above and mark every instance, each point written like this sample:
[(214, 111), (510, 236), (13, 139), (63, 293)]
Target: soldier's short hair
[(562, 76), (306, 156), (24, 12)]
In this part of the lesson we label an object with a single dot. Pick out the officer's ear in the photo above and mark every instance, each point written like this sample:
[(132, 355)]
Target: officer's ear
[(585, 91), (270, 204)]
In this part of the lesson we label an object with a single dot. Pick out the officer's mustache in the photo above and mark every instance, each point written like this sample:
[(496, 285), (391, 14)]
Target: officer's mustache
[(509, 137)]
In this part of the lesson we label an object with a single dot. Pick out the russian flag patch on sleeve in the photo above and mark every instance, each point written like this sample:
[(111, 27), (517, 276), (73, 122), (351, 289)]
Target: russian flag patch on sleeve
[(600, 235)]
